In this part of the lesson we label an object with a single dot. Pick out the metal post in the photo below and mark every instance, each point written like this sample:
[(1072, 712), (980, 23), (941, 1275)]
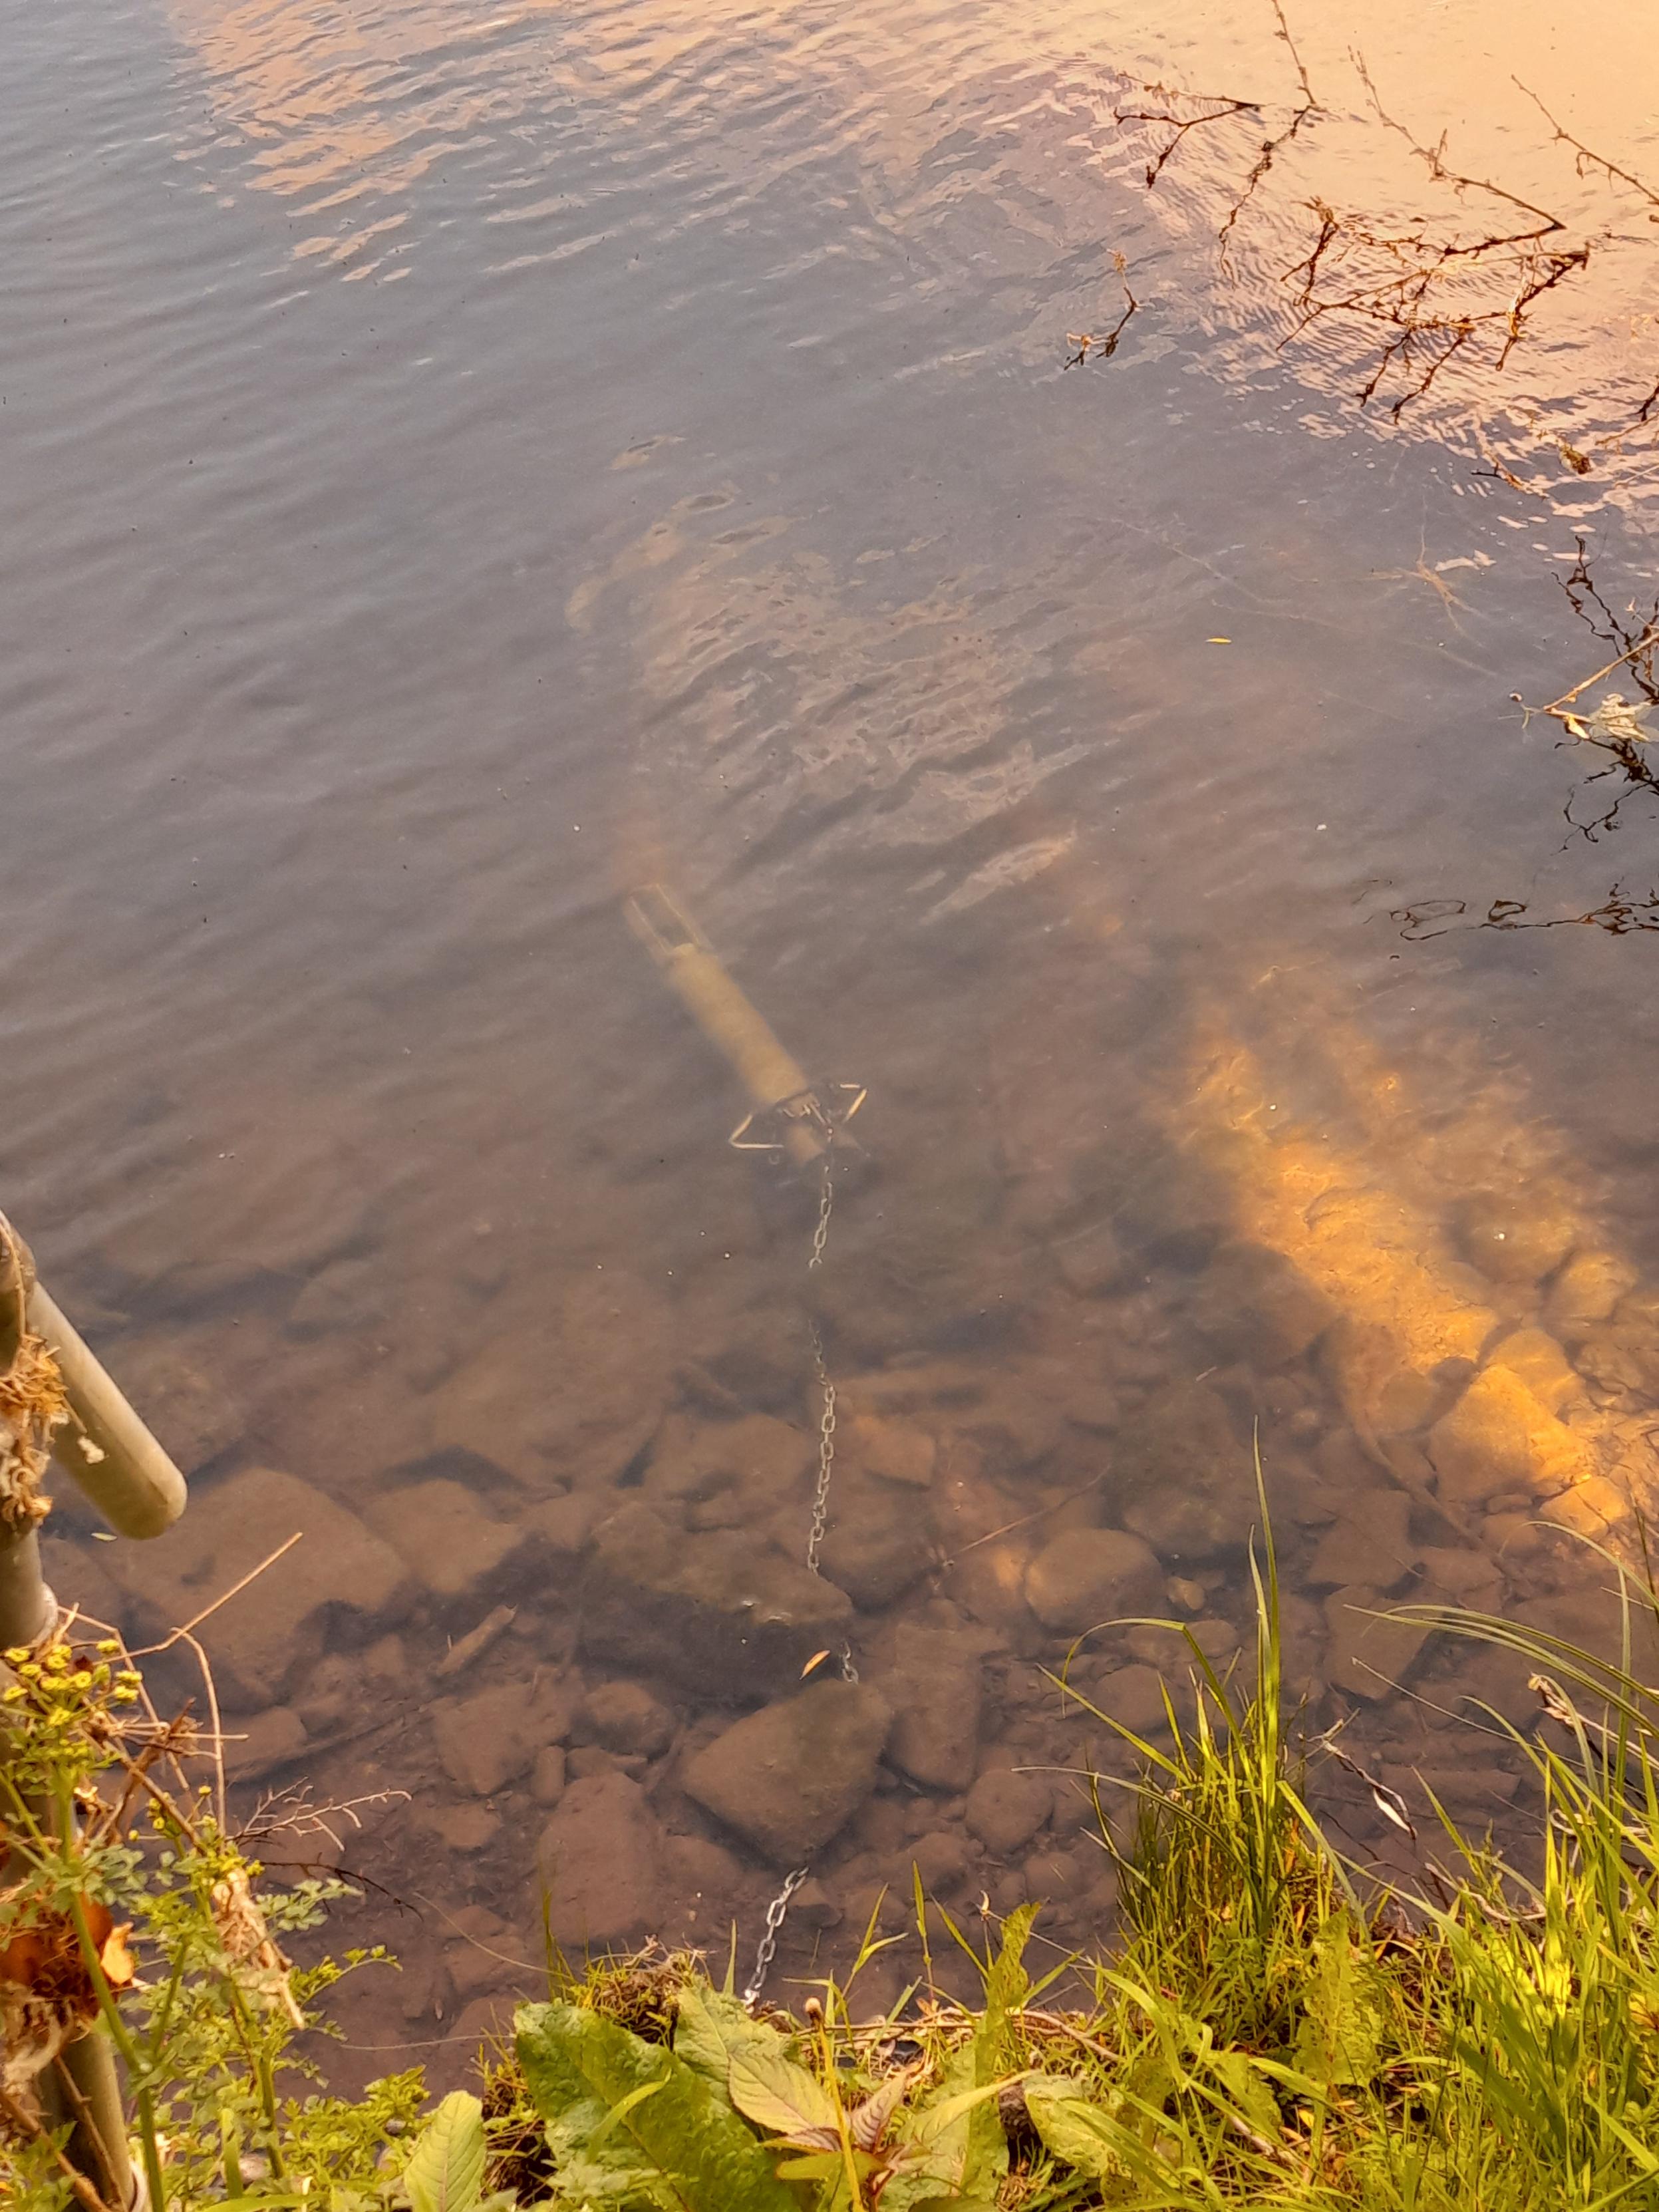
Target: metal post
[(115, 1459)]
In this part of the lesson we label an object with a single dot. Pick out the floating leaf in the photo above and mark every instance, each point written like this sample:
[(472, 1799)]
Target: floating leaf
[(816, 1660), (445, 2173)]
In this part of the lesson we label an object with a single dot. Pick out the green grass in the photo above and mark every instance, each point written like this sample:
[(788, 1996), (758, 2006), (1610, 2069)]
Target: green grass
[(1268, 2031), (1266, 2028)]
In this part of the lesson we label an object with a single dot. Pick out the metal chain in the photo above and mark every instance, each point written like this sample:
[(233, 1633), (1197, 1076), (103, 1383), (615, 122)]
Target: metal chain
[(826, 1451), (768, 1941), (826, 1199), (827, 1418), (780, 1905)]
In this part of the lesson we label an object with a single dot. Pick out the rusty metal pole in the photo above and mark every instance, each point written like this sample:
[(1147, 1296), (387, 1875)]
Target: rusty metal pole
[(114, 1458)]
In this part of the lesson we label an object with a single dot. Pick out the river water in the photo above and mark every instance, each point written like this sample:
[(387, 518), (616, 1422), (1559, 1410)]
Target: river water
[(465, 465)]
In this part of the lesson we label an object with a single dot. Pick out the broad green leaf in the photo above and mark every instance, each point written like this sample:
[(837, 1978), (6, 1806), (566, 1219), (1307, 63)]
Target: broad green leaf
[(869, 2123), (939, 2148), (1340, 2040), (618, 2113), (986, 2158), (935, 2121), (1083, 2134), (819, 2166), (445, 2172), (681, 2146), (711, 2027), (768, 2087), (1248, 2094)]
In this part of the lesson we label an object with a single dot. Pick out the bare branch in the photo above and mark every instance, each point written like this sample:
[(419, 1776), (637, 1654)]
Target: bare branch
[(1586, 153)]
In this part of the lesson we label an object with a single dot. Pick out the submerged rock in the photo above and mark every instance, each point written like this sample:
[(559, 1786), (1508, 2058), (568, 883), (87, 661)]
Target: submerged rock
[(1500, 1437), (1256, 1305), (1186, 1482), (790, 1777), (1623, 1354), (347, 1298), (340, 1576), (935, 1693), (1367, 1655), (492, 1738), (1539, 1360), (624, 1717), (877, 1544), (1005, 1810), (443, 1531), (758, 1457), (263, 1742), (192, 1414), (1514, 1242), (894, 1450), (1370, 1542), (576, 1396), (721, 1611), (600, 1863), (1586, 1291), (1376, 1384), (1090, 1260), (1092, 1575)]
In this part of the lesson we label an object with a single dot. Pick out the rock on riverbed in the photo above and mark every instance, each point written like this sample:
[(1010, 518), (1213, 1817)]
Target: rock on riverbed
[(601, 1864), (716, 1611), (339, 1577), (788, 1777)]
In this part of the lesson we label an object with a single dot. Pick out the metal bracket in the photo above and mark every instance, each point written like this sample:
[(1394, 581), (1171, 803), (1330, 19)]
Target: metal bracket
[(800, 1106)]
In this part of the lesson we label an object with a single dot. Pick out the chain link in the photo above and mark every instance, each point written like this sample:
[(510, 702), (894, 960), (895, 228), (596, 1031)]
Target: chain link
[(826, 1199), (826, 1451), (768, 1941)]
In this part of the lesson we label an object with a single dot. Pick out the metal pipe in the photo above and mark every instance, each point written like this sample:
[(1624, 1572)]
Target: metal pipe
[(115, 1459), (104, 1445), (697, 978)]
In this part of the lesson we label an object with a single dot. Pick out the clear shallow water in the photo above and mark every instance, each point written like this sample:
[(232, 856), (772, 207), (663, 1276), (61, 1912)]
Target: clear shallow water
[(460, 466)]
